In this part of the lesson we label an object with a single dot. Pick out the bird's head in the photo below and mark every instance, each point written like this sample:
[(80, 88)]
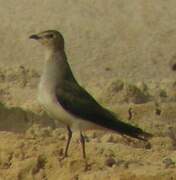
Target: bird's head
[(50, 39)]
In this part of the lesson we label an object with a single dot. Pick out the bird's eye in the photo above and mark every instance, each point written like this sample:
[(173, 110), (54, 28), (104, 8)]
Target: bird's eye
[(49, 36)]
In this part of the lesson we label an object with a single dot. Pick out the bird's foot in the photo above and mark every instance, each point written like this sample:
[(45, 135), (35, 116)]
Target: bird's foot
[(63, 157)]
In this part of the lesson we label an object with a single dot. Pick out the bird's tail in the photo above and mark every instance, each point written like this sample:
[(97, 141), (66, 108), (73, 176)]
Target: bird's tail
[(132, 131), (125, 128)]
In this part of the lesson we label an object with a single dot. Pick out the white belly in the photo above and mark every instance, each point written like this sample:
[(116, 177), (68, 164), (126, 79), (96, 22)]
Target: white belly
[(50, 104)]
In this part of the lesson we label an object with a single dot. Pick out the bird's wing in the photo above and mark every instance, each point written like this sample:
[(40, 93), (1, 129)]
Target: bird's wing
[(77, 101)]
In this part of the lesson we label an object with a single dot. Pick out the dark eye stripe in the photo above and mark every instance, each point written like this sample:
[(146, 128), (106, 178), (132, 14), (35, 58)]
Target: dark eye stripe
[(49, 36)]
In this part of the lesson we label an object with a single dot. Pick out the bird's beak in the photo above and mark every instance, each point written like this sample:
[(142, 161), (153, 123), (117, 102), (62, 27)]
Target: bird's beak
[(34, 36)]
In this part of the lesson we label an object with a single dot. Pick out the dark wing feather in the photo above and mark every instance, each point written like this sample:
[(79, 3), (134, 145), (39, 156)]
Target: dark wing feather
[(79, 103)]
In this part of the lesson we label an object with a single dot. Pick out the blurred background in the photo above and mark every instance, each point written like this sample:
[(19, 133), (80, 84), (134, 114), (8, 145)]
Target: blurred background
[(105, 40), (123, 52)]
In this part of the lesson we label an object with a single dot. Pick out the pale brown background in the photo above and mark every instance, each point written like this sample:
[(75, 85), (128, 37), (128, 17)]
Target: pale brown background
[(122, 52), (134, 38)]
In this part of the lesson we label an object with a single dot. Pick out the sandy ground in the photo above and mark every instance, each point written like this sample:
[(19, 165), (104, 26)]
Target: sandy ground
[(37, 155), (32, 146), (123, 52)]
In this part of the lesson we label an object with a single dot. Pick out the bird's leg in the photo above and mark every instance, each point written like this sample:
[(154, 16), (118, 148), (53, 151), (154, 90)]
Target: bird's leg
[(68, 141), (82, 140)]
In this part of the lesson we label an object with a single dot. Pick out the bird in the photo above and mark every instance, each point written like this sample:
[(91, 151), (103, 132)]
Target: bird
[(65, 100)]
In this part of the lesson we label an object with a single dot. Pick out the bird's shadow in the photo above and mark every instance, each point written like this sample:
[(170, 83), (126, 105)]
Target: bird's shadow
[(18, 120)]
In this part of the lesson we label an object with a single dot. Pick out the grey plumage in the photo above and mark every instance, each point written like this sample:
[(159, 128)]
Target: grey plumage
[(65, 100)]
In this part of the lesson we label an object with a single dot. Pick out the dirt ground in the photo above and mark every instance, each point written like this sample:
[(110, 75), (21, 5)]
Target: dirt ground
[(37, 155), (124, 53), (32, 146)]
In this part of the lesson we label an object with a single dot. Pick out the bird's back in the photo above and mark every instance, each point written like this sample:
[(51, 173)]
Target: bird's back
[(77, 101)]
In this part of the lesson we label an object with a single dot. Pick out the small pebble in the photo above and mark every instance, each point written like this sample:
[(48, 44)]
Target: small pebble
[(110, 162), (168, 163), (148, 146)]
